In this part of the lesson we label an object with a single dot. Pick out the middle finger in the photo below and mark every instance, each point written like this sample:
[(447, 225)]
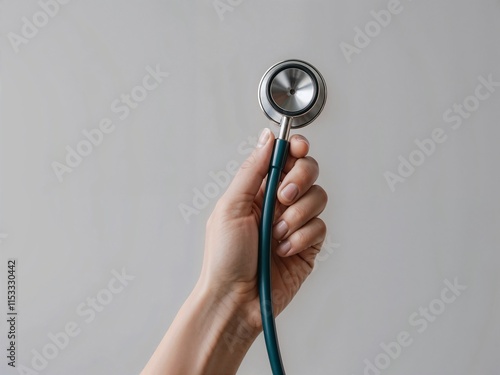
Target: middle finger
[(298, 180)]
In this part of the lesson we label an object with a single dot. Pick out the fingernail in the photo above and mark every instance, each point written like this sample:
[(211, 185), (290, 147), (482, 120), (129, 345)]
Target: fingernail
[(302, 139), (280, 229), (284, 247), (290, 192), (264, 136)]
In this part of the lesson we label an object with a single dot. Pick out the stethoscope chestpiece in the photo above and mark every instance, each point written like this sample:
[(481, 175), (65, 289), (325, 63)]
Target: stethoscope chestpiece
[(292, 89)]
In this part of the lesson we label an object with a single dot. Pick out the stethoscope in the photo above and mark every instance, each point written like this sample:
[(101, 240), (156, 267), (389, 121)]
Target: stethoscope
[(292, 93)]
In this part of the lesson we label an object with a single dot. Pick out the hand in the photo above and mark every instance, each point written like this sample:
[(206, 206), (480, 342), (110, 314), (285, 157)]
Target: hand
[(231, 247), (220, 319)]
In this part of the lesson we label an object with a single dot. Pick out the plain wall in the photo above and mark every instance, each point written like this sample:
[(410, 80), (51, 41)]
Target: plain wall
[(388, 252)]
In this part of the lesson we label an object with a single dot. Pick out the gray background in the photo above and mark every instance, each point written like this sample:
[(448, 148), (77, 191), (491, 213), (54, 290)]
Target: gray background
[(387, 254)]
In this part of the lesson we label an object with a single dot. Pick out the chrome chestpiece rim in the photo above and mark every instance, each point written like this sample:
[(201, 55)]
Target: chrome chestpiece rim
[(292, 88)]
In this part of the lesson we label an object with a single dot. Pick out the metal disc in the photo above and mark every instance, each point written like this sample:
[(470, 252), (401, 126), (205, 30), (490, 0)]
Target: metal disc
[(292, 88)]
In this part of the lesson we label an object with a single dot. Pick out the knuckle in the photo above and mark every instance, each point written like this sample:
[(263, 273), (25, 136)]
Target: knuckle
[(312, 163), (300, 239), (321, 227), (297, 213), (322, 194), (308, 165)]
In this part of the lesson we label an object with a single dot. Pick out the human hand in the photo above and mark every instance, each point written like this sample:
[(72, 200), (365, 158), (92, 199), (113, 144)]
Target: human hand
[(223, 309), (232, 231)]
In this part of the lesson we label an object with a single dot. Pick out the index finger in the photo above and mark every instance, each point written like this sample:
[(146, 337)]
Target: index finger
[(299, 147)]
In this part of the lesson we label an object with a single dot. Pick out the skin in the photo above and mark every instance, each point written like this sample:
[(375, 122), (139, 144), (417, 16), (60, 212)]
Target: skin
[(220, 319)]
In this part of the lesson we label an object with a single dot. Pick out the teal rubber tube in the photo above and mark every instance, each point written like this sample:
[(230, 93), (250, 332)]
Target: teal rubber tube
[(277, 163)]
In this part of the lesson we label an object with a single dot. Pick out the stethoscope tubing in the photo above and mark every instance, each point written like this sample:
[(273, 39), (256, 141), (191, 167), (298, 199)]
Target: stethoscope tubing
[(290, 114), (277, 163)]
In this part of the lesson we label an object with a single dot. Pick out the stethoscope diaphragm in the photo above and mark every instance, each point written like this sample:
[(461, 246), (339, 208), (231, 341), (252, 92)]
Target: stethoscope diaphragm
[(292, 88)]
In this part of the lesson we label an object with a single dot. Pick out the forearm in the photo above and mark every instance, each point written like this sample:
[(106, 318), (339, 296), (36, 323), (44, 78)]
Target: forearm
[(210, 335)]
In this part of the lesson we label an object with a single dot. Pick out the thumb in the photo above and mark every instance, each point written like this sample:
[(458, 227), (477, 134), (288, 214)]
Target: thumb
[(248, 179)]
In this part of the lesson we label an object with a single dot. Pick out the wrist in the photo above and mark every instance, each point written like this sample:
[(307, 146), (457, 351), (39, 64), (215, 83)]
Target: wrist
[(230, 328), (230, 314), (209, 336)]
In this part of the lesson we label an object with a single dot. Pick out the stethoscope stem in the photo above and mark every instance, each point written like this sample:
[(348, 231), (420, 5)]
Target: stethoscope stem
[(276, 166), (285, 127)]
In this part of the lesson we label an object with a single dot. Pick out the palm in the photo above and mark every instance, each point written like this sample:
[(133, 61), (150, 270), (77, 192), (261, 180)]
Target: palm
[(231, 254), (237, 256)]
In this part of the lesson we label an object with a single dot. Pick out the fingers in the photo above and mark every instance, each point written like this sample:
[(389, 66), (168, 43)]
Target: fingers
[(299, 228), (311, 234), (301, 212), (245, 185), (298, 180), (299, 147)]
